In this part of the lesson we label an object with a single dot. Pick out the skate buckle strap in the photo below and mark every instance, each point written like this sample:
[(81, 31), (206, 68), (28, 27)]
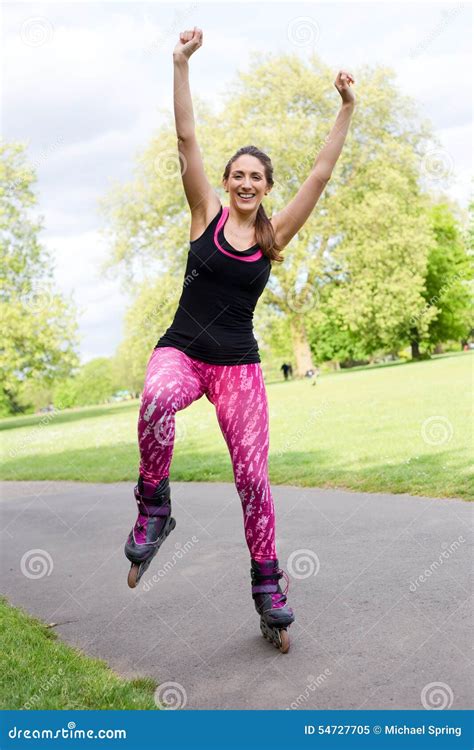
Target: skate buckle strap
[(272, 588), (267, 588), (260, 575), (153, 510), (159, 510), (148, 507), (153, 499)]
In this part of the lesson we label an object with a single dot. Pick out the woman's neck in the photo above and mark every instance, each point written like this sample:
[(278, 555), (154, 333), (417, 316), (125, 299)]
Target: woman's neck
[(242, 222)]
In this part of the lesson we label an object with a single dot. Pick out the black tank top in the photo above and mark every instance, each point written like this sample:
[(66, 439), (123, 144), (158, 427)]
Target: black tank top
[(214, 319)]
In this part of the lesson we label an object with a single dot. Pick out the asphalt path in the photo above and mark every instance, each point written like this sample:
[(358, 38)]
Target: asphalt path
[(380, 585)]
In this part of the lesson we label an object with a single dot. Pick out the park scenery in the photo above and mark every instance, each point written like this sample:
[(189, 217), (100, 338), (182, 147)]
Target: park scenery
[(366, 339)]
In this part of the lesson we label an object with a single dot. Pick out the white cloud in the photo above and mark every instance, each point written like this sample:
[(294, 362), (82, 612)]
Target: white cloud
[(101, 302)]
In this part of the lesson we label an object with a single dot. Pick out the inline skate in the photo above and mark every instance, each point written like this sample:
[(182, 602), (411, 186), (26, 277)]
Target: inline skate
[(270, 602), (152, 526)]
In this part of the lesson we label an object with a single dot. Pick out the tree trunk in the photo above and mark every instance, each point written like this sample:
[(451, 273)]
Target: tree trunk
[(301, 347), (415, 350), (415, 343)]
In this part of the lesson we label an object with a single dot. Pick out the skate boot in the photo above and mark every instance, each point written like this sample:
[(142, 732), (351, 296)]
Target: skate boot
[(152, 526), (270, 602)]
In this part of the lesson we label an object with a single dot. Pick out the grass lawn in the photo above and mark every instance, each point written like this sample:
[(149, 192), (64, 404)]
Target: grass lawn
[(37, 671), (396, 428)]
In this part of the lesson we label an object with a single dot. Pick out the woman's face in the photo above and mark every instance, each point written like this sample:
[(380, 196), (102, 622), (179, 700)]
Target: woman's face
[(246, 177)]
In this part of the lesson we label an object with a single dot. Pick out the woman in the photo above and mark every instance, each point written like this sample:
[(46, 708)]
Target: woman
[(210, 347)]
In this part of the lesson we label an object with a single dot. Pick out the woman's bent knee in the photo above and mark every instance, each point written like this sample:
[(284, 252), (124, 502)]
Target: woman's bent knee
[(155, 405)]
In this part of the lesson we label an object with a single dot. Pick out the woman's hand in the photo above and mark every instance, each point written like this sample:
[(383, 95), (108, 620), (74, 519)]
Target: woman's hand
[(189, 42), (342, 83)]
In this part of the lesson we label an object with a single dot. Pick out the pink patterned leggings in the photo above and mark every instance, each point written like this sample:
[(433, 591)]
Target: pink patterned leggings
[(173, 381)]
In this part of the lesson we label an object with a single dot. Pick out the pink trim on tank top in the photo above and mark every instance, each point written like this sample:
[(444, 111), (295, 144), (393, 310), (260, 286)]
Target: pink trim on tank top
[(249, 258)]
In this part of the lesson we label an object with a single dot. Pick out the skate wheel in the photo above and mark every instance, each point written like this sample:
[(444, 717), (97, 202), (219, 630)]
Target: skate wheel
[(284, 641), (133, 575)]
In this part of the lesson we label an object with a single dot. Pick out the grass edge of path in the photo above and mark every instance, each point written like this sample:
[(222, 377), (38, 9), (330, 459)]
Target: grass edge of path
[(325, 487), (42, 672)]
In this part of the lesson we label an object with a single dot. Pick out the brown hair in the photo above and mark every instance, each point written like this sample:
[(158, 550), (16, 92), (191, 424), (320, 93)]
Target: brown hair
[(264, 231)]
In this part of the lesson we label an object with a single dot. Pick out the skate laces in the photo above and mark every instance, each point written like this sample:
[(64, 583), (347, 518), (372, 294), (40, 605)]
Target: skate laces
[(279, 599)]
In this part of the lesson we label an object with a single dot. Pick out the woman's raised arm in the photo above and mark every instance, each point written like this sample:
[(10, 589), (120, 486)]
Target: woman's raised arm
[(292, 217), (198, 190)]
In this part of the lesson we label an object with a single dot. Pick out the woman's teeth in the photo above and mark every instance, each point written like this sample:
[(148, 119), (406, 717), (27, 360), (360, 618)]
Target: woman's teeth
[(245, 197)]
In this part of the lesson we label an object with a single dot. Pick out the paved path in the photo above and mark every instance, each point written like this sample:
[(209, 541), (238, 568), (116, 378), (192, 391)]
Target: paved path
[(369, 633)]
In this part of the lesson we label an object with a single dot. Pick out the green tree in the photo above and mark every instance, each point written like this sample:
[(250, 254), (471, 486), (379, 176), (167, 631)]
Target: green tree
[(93, 384), (446, 292), (380, 263), (38, 324), (95, 381)]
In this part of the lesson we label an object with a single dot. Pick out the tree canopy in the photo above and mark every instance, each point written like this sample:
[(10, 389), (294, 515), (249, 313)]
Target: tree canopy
[(39, 330)]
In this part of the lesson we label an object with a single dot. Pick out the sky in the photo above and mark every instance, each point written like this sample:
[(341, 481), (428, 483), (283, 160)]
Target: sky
[(83, 84)]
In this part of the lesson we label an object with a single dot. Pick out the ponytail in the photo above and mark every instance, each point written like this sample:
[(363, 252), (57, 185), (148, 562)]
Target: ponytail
[(265, 235)]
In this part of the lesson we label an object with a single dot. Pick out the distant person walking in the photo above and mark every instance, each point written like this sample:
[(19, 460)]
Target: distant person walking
[(285, 368)]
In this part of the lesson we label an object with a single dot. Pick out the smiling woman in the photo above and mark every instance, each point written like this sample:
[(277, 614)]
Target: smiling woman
[(210, 348)]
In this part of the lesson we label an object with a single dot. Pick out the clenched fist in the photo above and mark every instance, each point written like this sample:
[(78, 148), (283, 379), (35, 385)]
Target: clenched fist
[(342, 83), (189, 42)]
